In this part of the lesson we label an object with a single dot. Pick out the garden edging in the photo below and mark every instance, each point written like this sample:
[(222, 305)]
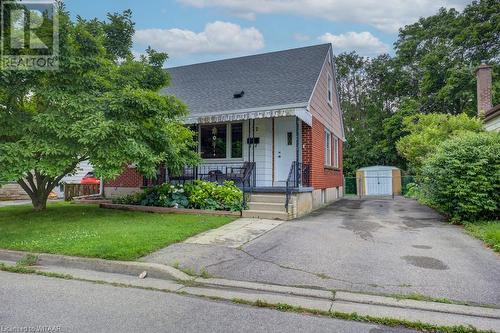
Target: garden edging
[(168, 210)]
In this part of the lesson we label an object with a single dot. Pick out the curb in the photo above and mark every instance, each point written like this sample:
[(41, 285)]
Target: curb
[(109, 266)]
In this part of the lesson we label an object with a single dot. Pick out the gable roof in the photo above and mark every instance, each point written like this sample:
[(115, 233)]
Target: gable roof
[(270, 79)]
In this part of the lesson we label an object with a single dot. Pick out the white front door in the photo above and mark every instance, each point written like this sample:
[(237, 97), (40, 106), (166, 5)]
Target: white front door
[(284, 148), (378, 182)]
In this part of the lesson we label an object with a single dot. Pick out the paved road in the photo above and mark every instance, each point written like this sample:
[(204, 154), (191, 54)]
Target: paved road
[(373, 245), (75, 306)]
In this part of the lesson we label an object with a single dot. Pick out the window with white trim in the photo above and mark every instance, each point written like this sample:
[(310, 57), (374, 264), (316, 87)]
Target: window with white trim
[(335, 152), (329, 88), (328, 148)]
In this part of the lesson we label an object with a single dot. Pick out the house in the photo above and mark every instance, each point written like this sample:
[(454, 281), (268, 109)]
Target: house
[(276, 115), (485, 109)]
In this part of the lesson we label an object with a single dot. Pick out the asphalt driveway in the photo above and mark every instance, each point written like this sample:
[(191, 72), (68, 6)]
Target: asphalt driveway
[(373, 245)]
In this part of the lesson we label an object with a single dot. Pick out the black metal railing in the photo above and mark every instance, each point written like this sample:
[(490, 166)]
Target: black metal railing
[(298, 176), (241, 173)]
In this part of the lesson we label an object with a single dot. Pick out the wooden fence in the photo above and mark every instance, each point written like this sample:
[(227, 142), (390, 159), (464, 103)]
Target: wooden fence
[(78, 190)]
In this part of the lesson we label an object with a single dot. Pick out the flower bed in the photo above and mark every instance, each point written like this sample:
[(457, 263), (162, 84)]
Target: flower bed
[(196, 195)]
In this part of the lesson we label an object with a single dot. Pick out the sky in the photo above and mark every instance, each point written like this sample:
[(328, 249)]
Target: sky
[(193, 31)]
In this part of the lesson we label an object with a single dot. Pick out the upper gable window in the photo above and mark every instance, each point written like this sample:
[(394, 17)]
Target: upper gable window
[(329, 89)]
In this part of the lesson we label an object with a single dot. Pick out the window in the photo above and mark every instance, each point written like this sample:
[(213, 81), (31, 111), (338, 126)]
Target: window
[(335, 152), (328, 148), (213, 141), (330, 88), (237, 140), (221, 141)]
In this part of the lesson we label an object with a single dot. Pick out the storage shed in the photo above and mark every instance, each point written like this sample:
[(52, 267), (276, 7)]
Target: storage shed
[(378, 180)]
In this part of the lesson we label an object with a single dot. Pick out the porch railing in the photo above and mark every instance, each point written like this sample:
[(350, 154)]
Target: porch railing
[(241, 173), (298, 176)]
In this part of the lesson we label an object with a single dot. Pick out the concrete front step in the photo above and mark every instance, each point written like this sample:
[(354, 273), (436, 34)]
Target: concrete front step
[(266, 214), (268, 198), (268, 206)]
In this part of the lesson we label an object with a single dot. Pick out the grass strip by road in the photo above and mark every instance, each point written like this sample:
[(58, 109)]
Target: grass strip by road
[(487, 231), (90, 231)]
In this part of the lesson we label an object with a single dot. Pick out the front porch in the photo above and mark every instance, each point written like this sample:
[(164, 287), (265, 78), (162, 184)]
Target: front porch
[(262, 155)]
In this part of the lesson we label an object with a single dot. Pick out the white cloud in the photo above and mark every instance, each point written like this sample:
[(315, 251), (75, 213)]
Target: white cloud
[(217, 38), (301, 37), (362, 42), (387, 15)]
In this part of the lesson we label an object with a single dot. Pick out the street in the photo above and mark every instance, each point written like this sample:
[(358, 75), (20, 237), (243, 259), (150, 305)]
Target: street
[(76, 306)]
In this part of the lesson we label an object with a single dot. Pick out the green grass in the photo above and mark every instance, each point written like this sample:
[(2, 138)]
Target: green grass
[(488, 232), (90, 231)]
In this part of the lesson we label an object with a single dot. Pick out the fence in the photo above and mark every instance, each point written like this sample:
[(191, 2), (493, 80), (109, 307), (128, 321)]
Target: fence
[(78, 190), (356, 185)]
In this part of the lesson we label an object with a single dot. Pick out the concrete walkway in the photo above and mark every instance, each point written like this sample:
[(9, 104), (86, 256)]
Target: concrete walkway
[(377, 246), (235, 234)]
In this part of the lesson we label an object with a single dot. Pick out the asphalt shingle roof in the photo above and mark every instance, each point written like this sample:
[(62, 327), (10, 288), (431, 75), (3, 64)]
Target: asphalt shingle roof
[(275, 78)]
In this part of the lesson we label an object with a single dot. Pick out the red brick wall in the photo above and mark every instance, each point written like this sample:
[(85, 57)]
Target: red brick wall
[(313, 139), (128, 178)]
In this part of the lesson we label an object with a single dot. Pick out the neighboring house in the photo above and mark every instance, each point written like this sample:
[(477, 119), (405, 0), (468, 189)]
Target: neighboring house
[(485, 108), (81, 170), (277, 112)]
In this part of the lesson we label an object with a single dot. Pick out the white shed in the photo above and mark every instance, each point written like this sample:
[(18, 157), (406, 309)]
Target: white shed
[(378, 180)]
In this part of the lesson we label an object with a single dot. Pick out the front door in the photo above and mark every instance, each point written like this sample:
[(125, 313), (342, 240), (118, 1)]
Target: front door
[(284, 148)]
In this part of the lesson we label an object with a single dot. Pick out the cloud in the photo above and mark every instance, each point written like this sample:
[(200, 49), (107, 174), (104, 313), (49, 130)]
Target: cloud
[(362, 42), (217, 38), (301, 37), (387, 15)]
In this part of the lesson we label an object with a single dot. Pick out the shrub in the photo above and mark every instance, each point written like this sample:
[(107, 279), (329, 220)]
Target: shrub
[(199, 194), (209, 195), (462, 178), (165, 195)]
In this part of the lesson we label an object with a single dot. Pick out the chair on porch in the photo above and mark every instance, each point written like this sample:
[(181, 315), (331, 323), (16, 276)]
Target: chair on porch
[(241, 175), (188, 174)]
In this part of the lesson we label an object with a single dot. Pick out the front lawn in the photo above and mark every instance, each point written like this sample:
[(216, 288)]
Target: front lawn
[(86, 230), (489, 232)]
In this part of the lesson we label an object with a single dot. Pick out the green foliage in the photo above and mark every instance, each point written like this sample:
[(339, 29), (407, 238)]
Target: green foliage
[(199, 195), (210, 195), (101, 105), (488, 231), (426, 132), (165, 195), (462, 177)]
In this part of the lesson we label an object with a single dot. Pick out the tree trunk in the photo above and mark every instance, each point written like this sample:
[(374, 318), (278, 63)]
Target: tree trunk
[(38, 188), (39, 201)]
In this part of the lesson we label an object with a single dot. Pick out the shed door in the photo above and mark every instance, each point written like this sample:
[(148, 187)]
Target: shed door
[(378, 182)]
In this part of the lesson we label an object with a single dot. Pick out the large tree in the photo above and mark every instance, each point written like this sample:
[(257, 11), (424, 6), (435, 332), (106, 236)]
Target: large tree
[(101, 105)]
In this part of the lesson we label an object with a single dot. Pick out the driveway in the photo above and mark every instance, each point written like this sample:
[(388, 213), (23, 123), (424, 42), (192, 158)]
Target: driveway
[(369, 245)]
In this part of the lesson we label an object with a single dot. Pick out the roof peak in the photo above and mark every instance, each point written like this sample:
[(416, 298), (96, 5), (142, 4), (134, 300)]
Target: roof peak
[(252, 55)]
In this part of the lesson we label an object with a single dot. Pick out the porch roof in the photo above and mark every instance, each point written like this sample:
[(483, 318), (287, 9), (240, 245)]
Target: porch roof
[(270, 81)]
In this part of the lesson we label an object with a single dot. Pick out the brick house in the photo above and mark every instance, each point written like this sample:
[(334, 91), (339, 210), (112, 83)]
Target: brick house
[(276, 114)]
